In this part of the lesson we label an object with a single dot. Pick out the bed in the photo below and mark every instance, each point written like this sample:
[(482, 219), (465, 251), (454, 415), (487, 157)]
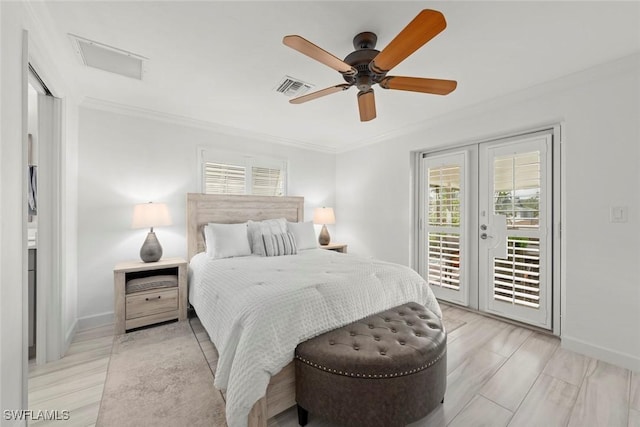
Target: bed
[(256, 309)]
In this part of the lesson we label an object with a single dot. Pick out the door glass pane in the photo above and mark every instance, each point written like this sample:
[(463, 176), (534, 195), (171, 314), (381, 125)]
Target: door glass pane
[(444, 224), (516, 195), (444, 196), (516, 192)]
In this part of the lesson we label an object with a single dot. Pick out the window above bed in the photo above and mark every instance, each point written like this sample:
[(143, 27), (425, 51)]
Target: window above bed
[(225, 172)]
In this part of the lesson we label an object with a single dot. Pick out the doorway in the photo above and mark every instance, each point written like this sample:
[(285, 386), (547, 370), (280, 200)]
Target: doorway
[(487, 224), (43, 221)]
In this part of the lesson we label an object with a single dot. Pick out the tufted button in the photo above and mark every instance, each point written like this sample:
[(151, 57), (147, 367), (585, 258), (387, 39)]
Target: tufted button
[(418, 334), (393, 330), (370, 326), (401, 313), (422, 316), (383, 353), (401, 342), (376, 338), (410, 323), (332, 342), (386, 319), (355, 347), (353, 334)]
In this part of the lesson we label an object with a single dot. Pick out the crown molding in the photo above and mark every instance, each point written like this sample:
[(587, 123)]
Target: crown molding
[(130, 110), (625, 64)]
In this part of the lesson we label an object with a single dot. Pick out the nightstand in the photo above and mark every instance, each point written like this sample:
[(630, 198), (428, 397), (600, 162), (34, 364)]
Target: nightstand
[(152, 301), (337, 247)]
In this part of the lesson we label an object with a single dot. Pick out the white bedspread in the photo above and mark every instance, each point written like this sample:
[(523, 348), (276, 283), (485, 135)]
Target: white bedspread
[(257, 309)]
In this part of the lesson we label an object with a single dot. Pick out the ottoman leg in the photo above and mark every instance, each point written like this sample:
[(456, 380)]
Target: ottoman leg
[(303, 416)]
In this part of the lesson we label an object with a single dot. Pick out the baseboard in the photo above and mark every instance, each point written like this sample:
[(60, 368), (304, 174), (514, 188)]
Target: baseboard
[(71, 332), (606, 355), (95, 321)]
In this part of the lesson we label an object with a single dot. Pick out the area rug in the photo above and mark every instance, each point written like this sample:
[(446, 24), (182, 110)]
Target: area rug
[(159, 377)]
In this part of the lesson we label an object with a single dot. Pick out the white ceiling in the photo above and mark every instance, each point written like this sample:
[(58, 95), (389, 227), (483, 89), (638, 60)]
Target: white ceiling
[(220, 61)]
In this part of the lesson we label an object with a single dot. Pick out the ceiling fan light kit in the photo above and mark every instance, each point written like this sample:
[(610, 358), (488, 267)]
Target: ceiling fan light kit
[(367, 66)]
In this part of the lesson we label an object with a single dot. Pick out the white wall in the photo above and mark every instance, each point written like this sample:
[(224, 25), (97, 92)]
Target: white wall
[(600, 109), (11, 233), (124, 160)]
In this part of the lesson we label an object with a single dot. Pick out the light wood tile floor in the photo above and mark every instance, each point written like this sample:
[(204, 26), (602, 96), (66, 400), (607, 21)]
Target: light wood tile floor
[(498, 374), (75, 382)]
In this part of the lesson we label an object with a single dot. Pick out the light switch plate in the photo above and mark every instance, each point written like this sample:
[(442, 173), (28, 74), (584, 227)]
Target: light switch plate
[(618, 214)]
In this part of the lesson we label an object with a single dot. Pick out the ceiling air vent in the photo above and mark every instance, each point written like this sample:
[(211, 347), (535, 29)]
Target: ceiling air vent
[(108, 58), (293, 87)]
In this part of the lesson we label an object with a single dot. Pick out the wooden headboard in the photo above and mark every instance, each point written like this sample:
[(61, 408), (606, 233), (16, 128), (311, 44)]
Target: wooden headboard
[(222, 209)]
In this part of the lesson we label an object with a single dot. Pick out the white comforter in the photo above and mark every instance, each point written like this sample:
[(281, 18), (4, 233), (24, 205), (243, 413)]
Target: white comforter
[(257, 309)]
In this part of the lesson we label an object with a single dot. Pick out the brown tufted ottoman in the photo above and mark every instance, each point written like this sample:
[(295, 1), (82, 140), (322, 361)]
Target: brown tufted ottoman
[(388, 369)]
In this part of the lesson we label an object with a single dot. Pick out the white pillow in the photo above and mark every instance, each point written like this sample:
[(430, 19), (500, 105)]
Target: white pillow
[(269, 226), (304, 234), (226, 240)]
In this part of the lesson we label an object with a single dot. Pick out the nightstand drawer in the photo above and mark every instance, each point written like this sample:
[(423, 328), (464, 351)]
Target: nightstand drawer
[(151, 302)]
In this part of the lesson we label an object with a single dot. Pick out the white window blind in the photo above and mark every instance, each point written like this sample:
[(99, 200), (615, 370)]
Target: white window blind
[(224, 179), (237, 173), (267, 181), (516, 195), (443, 247)]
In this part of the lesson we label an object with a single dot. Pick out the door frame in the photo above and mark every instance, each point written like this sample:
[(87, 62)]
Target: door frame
[(486, 173), (558, 187), (50, 339), (469, 264)]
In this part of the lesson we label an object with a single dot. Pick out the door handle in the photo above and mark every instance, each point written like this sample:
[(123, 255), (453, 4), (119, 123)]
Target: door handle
[(485, 236)]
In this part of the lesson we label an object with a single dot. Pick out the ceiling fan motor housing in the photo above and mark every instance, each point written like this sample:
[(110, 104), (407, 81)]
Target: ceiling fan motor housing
[(360, 59)]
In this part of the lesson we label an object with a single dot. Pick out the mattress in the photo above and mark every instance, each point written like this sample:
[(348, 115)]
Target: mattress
[(258, 309)]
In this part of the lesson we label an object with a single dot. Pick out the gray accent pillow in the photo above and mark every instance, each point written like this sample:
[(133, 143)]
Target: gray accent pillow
[(279, 244)]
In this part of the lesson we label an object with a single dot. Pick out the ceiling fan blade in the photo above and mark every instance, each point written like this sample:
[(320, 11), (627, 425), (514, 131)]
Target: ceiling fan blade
[(424, 27), (417, 84), (320, 93), (367, 105), (305, 47)]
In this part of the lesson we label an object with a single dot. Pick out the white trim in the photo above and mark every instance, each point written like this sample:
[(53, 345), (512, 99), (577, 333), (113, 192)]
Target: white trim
[(68, 337), (24, 247), (94, 321), (129, 110), (558, 297), (617, 358)]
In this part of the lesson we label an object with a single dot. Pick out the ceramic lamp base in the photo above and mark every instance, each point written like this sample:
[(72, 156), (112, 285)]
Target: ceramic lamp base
[(151, 251), (324, 237)]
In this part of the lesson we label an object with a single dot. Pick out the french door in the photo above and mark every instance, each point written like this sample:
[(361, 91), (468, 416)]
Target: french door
[(486, 227)]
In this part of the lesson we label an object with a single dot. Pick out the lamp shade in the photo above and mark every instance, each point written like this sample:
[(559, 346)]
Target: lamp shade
[(324, 216), (148, 215)]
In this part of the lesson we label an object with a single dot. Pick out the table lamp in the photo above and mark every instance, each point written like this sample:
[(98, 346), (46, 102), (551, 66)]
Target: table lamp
[(150, 215), (324, 216)]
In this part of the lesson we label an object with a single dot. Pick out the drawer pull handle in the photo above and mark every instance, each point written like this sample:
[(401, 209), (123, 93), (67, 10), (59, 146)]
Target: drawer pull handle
[(149, 299)]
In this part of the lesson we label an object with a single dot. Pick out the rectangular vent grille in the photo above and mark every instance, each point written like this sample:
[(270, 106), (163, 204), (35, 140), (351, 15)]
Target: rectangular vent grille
[(293, 87), (108, 58)]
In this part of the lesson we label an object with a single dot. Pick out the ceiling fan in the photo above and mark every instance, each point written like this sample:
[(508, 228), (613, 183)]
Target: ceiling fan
[(367, 66)]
